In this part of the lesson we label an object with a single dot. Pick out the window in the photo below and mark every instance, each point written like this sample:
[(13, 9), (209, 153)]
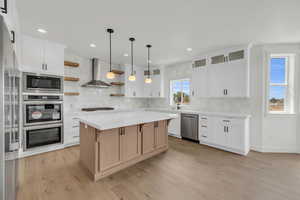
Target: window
[(180, 91), (280, 88)]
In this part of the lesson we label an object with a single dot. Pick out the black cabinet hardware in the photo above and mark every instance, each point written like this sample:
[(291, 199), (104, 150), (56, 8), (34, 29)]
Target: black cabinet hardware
[(4, 9), (13, 37)]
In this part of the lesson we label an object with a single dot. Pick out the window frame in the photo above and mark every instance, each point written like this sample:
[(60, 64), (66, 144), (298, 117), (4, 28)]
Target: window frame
[(288, 84), (172, 103)]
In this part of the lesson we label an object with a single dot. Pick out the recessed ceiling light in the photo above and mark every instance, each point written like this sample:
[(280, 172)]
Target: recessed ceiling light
[(42, 30), (189, 49), (92, 45), (126, 54)]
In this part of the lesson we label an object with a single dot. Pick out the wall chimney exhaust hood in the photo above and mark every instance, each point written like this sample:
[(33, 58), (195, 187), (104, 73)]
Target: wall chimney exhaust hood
[(96, 76)]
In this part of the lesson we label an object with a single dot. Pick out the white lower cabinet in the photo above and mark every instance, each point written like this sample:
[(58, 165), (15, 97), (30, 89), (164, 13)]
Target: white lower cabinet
[(227, 133), (71, 131), (174, 127)]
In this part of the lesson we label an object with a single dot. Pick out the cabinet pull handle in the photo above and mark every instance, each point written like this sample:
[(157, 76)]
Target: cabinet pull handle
[(13, 40), (193, 93), (43, 66), (4, 9), (224, 129), (46, 66), (204, 136)]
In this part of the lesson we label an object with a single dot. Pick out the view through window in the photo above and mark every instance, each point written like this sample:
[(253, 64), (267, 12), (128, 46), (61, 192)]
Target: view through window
[(279, 84), (180, 91)]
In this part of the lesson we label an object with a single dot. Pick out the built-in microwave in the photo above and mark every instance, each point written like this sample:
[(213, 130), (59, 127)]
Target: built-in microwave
[(41, 83)]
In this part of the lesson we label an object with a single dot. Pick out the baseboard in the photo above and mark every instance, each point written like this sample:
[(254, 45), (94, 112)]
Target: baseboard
[(256, 148), (279, 150), (173, 135)]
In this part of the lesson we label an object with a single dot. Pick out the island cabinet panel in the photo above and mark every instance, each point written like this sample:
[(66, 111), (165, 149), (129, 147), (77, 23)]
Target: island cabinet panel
[(130, 143), (161, 136), (104, 152), (148, 138), (88, 148), (109, 149)]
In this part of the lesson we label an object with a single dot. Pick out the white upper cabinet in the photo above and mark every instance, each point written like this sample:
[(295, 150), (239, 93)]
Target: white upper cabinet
[(139, 88), (223, 73), (228, 74), (42, 56), (199, 77), (134, 88)]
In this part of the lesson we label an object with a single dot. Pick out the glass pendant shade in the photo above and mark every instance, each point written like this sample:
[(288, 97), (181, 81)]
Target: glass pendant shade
[(148, 80), (132, 77), (110, 75)]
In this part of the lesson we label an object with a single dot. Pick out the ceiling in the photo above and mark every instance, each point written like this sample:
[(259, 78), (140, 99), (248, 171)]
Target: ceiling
[(171, 26)]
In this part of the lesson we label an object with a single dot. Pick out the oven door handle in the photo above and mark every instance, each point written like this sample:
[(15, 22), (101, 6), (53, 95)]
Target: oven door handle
[(43, 126), (42, 102)]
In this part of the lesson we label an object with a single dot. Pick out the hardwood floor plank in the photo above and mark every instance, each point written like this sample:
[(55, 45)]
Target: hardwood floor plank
[(186, 171)]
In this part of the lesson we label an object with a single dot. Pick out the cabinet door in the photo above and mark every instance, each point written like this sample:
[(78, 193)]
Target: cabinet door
[(54, 58), (129, 85), (174, 127), (148, 138), (130, 143), (219, 134), (161, 136), (156, 83), (217, 80), (199, 78), (139, 82), (109, 148), (236, 134), (32, 55)]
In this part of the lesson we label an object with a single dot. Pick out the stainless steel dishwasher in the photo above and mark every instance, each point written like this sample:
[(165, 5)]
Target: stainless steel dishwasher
[(189, 126)]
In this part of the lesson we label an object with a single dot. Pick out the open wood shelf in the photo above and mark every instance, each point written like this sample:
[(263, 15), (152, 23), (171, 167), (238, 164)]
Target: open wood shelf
[(117, 83), (118, 72), (71, 93), (68, 78), (71, 64), (117, 95)]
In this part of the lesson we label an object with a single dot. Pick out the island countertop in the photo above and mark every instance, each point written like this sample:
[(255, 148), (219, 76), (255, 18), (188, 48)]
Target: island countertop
[(114, 119)]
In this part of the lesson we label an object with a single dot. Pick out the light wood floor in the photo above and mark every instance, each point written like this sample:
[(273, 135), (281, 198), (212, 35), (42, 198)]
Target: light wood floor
[(187, 171)]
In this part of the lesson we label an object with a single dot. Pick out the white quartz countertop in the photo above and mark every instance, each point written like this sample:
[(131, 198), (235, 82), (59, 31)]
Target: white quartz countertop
[(167, 110), (115, 119)]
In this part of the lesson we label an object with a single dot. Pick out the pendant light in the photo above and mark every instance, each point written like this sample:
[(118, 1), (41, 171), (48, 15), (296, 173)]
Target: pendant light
[(132, 76), (110, 74), (148, 79)]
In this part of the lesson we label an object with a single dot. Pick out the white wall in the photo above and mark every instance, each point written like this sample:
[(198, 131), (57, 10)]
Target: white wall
[(280, 131), (92, 97)]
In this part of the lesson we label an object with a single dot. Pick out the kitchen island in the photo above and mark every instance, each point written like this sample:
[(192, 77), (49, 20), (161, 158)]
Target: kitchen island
[(112, 141)]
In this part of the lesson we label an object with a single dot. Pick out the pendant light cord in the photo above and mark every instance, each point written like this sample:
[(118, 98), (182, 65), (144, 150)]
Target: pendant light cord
[(110, 51), (132, 57), (148, 46)]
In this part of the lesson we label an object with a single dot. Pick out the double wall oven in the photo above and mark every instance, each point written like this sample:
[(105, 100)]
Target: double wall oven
[(42, 110)]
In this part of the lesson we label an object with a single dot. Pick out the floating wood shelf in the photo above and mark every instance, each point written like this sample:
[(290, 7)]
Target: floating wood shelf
[(117, 83), (71, 93), (118, 72), (71, 64), (68, 78), (117, 95)]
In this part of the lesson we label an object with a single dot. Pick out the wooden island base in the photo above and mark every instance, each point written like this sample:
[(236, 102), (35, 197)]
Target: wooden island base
[(105, 152)]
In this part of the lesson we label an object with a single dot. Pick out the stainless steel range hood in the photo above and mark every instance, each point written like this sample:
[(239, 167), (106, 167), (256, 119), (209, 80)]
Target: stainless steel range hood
[(96, 76)]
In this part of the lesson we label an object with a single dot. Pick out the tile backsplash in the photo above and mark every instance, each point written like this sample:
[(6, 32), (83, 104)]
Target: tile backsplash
[(92, 97)]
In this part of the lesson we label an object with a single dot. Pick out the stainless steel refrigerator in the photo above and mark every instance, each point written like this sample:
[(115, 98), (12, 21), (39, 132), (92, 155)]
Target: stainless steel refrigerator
[(9, 115)]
